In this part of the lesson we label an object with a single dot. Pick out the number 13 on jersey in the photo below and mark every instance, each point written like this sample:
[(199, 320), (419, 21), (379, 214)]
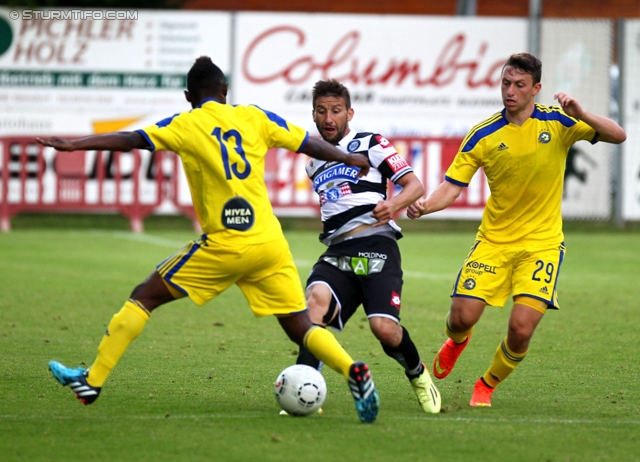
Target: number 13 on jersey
[(232, 168)]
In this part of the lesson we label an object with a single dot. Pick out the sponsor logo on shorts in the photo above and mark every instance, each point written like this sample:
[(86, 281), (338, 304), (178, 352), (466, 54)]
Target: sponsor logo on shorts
[(362, 266), (373, 255), (469, 284), (238, 214), (375, 265), (395, 299), (479, 268), (544, 290), (365, 266)]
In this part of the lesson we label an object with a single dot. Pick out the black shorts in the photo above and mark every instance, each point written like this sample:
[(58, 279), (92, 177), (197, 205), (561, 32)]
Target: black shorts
[(363, 271)]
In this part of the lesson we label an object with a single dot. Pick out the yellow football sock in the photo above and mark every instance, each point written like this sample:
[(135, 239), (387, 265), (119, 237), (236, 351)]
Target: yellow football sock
[(504, 362), (458, 337), (124, 327), (326, 348)]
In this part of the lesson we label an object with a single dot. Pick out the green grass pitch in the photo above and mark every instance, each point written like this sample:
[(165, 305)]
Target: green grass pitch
[(198, 382)]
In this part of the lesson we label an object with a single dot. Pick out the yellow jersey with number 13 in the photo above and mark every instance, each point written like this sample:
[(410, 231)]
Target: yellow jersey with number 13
[(525, 167), (223, 148)]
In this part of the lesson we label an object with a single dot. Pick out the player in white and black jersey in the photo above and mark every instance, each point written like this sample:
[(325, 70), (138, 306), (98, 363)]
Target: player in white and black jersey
[(346, 201), (362, 265)]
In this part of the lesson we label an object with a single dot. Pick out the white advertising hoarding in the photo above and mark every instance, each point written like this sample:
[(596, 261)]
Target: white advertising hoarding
[(66, 72), (408, 75), (414, 78)]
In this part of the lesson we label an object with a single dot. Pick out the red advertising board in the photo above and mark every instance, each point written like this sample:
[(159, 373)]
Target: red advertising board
[(139, 183)]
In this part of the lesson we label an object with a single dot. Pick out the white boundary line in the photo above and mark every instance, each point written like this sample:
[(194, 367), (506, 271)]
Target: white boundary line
[(140, 237), (177, 245), (482, 420)]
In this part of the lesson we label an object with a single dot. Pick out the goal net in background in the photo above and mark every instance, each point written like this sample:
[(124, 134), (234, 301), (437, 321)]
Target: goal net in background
[(629, 205), (577, 58)]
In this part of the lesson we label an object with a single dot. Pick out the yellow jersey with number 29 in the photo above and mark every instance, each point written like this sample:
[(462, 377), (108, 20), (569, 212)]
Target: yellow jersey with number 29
[(525, 167), (223, 148)]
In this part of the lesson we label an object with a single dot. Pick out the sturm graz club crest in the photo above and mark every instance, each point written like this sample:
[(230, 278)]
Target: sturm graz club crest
[(469, 284), (353, 145)]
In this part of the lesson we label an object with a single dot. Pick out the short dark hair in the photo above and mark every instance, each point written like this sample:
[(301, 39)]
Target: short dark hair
[(331, 87), (204, 77), (526, 63)]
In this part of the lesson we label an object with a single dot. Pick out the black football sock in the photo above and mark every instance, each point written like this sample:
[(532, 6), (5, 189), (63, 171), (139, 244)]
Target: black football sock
[(406, 354)]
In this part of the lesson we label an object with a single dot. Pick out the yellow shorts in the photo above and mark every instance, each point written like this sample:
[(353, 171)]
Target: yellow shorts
[(493, 273), (265, 273)]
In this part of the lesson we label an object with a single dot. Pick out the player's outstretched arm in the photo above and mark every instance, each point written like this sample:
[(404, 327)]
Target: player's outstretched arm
[(608, 130), (118, 141), (442, 197), (320, 149), (412, 190)]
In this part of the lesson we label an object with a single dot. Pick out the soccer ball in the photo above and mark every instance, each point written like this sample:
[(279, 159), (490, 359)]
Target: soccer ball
[(300, 390)]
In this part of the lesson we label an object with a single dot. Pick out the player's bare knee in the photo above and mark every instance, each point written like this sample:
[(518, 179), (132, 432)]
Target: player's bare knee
[(155, 291), (137, 291), (295, 326), (464, 314), (460, 321), (519, 337), (319, 293), (315, 303), (386, 330), (318, 301)]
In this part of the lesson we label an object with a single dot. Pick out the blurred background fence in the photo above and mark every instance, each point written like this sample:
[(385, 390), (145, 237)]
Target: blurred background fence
[(420, 79)]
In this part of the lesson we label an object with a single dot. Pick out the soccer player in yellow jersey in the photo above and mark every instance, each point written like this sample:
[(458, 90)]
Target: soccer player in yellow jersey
[(519, 246), (222, 149)]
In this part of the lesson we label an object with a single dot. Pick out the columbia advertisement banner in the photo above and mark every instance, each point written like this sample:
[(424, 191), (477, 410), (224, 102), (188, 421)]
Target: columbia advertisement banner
[(408, 75)]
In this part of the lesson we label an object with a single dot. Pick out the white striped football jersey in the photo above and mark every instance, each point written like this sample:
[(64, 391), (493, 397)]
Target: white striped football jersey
[(346, 201)]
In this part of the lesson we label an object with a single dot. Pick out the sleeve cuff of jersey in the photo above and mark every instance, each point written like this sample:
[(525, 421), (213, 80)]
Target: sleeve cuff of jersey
[(147, 139), (595, 138), (304, 142), (456, 182), (400, 174)]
